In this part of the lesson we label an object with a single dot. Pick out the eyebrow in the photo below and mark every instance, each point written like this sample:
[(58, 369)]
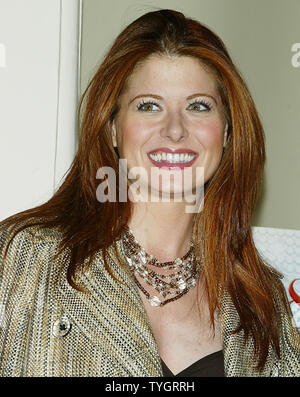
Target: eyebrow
[(159, 97)]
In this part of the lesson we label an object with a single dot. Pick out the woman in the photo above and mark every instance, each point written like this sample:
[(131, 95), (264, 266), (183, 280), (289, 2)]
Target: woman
[(140, 287)]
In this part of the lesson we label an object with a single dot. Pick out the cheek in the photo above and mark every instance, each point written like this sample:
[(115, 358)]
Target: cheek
[(211, 136), (132, 135)]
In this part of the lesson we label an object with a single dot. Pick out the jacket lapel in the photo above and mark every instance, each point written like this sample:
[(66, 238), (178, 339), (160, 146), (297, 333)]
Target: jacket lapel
[(111, 315), (239, 358)]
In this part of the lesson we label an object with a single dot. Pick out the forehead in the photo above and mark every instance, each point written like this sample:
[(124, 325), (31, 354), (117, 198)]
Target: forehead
[(172, 73)]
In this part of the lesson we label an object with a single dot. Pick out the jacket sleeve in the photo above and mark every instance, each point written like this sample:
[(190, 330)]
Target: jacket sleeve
[(17, 272)]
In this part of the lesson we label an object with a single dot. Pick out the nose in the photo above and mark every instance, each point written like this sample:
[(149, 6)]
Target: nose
[(174, 128)]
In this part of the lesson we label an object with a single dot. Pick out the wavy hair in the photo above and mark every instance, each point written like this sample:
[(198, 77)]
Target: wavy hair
[(231, 259)]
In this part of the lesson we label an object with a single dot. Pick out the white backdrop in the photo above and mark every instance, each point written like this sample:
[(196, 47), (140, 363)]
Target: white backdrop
[(39, 79)]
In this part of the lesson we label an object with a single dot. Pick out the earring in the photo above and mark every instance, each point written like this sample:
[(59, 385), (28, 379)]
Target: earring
[(113, 135), (225, 135)]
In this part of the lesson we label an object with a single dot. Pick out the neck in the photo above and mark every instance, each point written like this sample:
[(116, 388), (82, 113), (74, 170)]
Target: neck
[(164, 230)]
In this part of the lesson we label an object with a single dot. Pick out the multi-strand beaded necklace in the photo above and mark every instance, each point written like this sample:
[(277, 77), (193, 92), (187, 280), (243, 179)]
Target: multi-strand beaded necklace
[(169, 286)]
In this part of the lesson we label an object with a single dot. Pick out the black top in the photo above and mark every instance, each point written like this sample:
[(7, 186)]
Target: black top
[(211, 365)]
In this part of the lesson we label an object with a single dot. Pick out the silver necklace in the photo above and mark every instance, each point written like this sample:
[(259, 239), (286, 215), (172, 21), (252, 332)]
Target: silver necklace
[(176, 284)]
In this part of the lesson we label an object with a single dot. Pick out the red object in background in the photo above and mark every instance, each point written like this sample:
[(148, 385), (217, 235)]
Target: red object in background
[(295, 297)]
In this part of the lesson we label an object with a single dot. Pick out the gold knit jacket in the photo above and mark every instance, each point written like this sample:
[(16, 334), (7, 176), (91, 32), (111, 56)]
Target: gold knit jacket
[(49, 329)]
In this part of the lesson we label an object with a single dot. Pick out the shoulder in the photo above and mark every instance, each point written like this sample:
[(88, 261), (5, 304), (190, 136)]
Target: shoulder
[(16, 242), (31, 235), (22, 254)]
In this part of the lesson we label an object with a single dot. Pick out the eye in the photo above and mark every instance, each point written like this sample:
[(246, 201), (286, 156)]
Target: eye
[(147, 106), (199, 106)]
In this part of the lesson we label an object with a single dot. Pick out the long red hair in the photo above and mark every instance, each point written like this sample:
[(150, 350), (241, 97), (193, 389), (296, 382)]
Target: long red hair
[(231, 259)]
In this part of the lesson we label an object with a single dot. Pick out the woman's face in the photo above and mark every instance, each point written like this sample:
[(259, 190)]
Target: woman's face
[(170, 104)]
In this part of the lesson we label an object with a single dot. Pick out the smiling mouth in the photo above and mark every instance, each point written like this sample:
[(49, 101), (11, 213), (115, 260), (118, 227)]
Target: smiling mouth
[(172, 160)]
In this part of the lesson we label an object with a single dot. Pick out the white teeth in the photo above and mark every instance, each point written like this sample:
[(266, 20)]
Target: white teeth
[(173, 158)]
